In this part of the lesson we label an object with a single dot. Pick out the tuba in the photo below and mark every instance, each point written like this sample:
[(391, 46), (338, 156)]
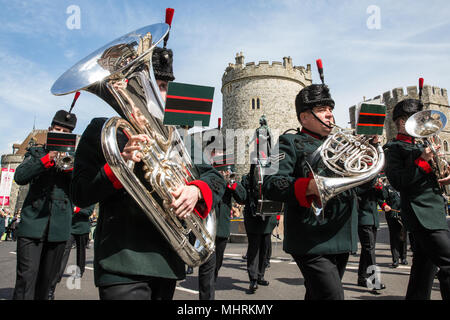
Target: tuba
[(121, 73), (426, 125), (352, 158)]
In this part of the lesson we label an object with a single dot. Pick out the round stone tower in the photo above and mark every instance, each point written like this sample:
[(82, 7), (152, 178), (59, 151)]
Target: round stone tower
[(251, 90)]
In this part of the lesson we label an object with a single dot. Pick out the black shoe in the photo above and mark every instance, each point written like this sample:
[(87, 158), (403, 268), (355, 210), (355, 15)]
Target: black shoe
[(190, 270), (404, 262), (394, 264), (253, 286), (263, 282)]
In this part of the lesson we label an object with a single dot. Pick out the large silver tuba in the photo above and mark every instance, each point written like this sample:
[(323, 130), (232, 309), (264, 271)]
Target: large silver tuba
[(121, 73), (426, 125), (352, 158)]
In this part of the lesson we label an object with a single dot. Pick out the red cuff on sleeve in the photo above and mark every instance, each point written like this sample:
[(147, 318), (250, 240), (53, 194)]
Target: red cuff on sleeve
[(300, 187), (203, 211), (76, 209), (424, 165), (47, 162), (233, 186), (116, 183)]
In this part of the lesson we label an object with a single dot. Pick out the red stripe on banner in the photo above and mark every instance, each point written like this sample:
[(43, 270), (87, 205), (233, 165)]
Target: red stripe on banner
[(370, 125), (62, 139), (60, 145), (189, 98), (373, 114), (185, 111)]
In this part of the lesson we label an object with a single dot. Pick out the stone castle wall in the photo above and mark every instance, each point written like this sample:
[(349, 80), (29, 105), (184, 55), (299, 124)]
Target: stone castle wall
[(434, 98), (275, 85)]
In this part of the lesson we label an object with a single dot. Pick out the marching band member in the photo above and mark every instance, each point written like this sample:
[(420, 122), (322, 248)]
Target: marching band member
[(259, 231), (368, 223), (320, 248), (209, 271), (132, 260), (46, 216), (397, 231), (422, 206)]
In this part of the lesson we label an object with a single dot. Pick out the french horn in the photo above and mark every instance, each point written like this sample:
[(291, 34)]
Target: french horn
[(352, 158), (427, 125), (121, 73)]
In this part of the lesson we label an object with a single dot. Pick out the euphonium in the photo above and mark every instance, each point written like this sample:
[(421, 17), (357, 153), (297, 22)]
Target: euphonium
[(121, 73), (426, 125), (351, 157)]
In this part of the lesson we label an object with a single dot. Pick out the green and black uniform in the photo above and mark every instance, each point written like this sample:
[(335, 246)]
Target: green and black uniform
[(259, 230), (368, 223), (128, 247), (320, 248), (209, 271), (397, 230), (44, 226), (423, 213)]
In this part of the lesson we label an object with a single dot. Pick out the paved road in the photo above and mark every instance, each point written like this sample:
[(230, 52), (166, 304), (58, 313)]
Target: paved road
[(286, 282)]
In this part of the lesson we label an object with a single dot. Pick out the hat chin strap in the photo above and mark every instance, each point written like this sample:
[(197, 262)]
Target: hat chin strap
[(317, 118)]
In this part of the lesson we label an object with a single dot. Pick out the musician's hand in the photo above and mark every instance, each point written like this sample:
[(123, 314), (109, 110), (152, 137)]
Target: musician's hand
[(132, 148), (444, 181), (52, 155), (312, 190), (376, 139), (427, 154), (186, 197), (387, 208)]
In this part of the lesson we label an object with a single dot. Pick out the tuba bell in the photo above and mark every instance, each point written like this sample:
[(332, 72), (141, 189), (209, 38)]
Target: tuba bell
[(426, 125), (352, 158), (121, 73)]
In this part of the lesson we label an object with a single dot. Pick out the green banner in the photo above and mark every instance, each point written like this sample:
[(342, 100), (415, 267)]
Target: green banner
[(187, 104)]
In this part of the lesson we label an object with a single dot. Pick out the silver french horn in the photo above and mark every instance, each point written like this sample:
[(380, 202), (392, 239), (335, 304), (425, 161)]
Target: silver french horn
[(121, 73), (426, 125), (352, 158)]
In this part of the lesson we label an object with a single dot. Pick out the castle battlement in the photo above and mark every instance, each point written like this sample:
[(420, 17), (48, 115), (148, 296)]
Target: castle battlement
[(430, 95), (239, 70)]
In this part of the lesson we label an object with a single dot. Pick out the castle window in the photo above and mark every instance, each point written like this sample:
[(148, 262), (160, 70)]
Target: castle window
[(253, 104), (257, 103)]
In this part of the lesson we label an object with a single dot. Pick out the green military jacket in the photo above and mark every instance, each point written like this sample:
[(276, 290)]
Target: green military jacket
[(255, 224), (422, 203), (80, 220), (127, 246), (47, 209), (303, 232), (223, 209), (391, 197), (367, 204)]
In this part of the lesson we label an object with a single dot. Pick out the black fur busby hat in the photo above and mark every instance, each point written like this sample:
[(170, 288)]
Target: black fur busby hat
[(162, 60), (65, 119), (312, 96), (407, 108)]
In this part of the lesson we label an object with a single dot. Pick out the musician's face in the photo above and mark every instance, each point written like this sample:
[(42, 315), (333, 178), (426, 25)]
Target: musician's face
[(163, 88), (56, 128), (324, 113)]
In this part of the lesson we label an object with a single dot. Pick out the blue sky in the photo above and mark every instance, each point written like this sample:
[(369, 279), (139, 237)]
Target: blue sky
[(36, 47)]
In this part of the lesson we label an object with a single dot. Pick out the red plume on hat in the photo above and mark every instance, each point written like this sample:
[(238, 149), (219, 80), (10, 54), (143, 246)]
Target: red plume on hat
[(420, 88), (169, 16), (320, 69)]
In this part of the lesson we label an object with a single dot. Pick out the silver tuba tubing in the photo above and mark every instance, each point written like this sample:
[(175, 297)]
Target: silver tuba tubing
[(121, 73)]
